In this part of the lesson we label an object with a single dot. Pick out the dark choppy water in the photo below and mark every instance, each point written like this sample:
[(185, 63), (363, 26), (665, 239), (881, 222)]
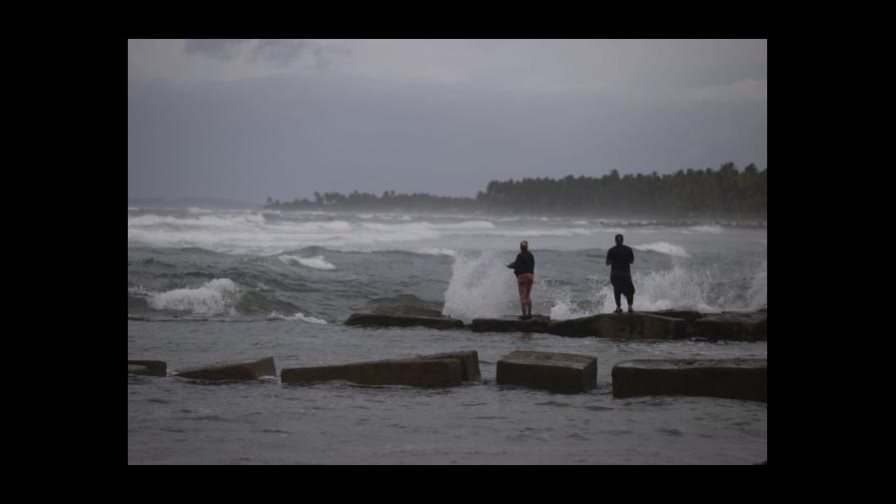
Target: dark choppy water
[(206, 286)]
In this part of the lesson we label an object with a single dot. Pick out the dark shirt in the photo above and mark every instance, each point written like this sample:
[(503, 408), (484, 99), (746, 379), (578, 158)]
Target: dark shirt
[(619, 257), (525, 263)]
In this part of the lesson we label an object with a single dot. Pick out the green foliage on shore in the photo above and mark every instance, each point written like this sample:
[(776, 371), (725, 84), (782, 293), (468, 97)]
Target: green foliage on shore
[(726, 192)]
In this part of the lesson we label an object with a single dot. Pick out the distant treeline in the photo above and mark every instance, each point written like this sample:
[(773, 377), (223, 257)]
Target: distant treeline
[(726, 192)]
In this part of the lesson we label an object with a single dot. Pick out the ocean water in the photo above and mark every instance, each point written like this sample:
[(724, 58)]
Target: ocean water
[(213, 285)]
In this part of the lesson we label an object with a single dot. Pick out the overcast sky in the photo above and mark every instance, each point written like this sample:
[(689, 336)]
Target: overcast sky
[(248, 119)]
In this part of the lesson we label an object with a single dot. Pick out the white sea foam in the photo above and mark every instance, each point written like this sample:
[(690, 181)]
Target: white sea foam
[(466, 225), (706, 229), (757, 295), (299, 316), (663, 248), (316, 262), (250, 232), (273, 232), (563, 309), (438, 251), (481, 286), (214, 297), (662, 290)]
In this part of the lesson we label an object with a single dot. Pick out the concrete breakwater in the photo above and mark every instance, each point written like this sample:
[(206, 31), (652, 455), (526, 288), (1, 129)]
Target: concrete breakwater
[(662, 325)]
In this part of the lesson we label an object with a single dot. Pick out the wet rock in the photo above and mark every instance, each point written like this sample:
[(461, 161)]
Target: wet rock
[(381, 320), (734, 326), (679, 314), (404, 305), (155, 367), (622, 326), (641, 326), (407, 311), (538, 323), (238, 370), (437, 370), (575, 328), (729, 378), (558, 372)]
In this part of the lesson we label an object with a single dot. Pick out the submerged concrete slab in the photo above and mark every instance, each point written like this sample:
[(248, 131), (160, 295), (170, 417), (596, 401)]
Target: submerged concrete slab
[(558, 372), (537, 323), (155, 367), (382, 320), (733, 326), (436, 370), (729, 378), (238, 370)]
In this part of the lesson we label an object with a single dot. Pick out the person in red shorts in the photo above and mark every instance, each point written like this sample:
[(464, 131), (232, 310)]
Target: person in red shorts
[(524, 269)]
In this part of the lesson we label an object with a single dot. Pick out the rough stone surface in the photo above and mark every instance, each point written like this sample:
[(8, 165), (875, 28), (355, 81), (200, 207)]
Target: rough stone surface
[(729, 378), (752, 326), (558, 372), (575, 328), (382, 320), (407, 311), (537, 323), (238, 370), (680, 314), (640, 326)]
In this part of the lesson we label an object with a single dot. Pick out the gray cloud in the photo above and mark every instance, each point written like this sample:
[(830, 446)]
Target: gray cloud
[(439, 117), (279, 52), (214, 48)]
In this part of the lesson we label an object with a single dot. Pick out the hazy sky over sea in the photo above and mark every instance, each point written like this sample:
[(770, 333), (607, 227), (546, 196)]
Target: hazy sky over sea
[(248, 119)]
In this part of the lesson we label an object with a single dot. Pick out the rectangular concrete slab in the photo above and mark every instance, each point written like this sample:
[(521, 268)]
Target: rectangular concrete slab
[(558, 372), (729, 378), (469, 360)]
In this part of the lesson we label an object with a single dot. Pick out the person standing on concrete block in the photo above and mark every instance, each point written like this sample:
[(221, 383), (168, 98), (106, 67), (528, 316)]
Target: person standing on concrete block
[(619, 258), (524, 269)]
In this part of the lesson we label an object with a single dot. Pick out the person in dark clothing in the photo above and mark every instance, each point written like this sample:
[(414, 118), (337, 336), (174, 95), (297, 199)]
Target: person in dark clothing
[(619, 258), (524, 269)]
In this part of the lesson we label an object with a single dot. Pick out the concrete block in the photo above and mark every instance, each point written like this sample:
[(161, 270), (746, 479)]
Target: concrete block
[(558, 372), (729, 378)]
